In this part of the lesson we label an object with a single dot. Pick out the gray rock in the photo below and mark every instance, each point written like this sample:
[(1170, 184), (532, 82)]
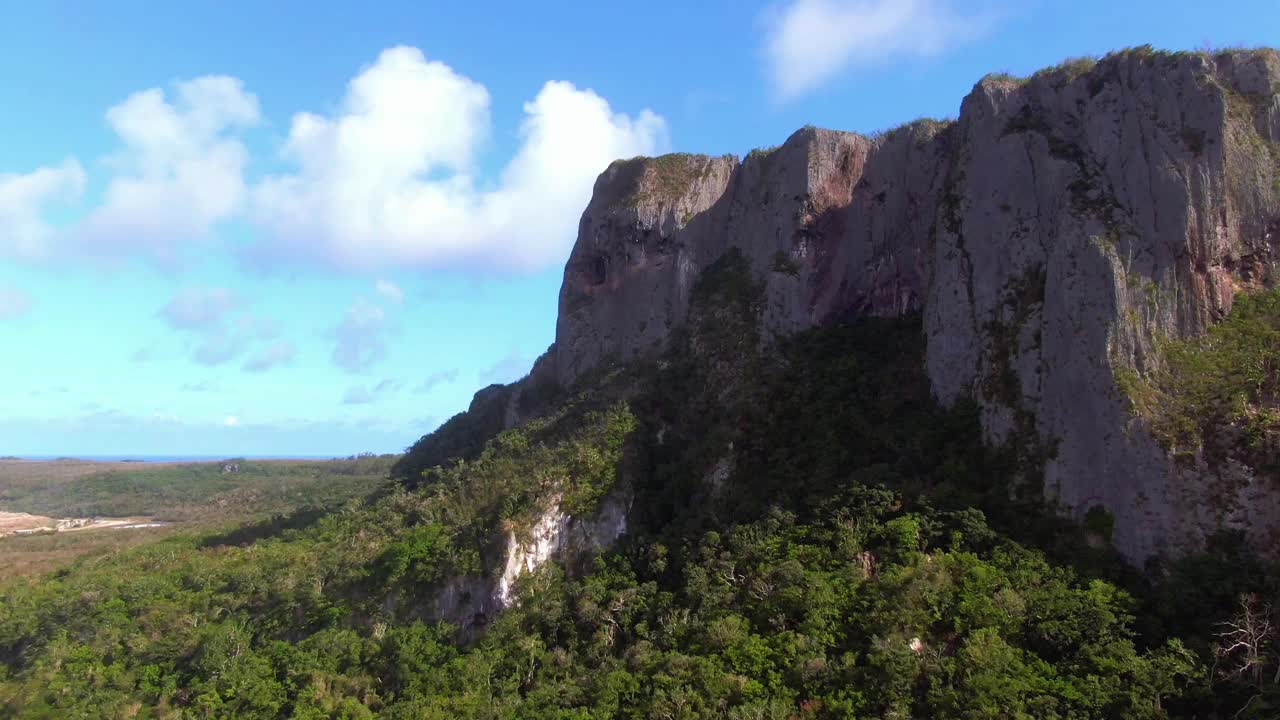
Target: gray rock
[(1048, 237)]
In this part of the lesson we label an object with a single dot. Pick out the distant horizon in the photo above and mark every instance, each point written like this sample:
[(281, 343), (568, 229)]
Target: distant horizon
[(170, 458)]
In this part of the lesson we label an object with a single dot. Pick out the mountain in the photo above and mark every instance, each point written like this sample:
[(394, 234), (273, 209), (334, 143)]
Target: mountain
[(1055, 241)]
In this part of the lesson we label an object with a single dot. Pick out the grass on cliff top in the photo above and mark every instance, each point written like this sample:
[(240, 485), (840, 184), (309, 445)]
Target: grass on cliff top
[(1219, 391), (1075, 67), (666, 178), (921, 130)]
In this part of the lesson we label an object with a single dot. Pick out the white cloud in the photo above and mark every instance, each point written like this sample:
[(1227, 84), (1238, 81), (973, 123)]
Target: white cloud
[(390, 178), (24, 233), (231, 421), (809, 42), (390, 291), (13, 302), (180, 172), (269, 356), (360, 339)]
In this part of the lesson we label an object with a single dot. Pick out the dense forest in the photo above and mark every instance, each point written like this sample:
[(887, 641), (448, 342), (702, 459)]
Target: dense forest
[(810, 536)]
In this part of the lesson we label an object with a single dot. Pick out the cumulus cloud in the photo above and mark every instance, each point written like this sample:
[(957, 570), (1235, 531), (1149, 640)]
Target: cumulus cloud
[(444, 377), (13, 302), (809, 42), (357, 395), (24, 233), (180, 172), (390, 178), (390, 291), (279, 352), (360, 338)]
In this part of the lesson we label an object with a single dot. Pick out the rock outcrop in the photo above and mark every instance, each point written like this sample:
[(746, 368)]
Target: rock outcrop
[(470, 602), (1049, 236)]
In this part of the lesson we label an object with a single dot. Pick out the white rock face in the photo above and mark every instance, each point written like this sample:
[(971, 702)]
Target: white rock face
[(471, 602), (546, 538), (557, 536)]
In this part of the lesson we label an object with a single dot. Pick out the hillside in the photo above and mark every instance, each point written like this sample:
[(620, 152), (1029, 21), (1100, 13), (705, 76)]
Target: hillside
[(970, 419)]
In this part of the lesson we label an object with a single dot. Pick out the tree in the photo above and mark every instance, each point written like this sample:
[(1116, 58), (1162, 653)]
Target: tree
[(1245, 641)]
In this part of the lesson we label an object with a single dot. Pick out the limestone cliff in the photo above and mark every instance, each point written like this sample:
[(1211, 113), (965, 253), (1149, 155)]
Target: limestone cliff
[(1049, 236)]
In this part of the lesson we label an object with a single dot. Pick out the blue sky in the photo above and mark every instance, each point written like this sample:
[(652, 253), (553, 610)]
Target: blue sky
[(311, 228)]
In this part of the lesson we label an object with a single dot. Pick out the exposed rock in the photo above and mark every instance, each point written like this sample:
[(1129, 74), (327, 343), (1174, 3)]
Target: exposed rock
[(555, 535), (470, 602), (1049, 236)]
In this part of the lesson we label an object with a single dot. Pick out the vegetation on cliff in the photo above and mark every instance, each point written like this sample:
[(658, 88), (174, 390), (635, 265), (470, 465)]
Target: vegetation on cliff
[(1218, 392), (813, 538)]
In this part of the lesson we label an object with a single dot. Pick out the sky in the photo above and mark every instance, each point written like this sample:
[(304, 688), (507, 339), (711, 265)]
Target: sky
[(311, 228)]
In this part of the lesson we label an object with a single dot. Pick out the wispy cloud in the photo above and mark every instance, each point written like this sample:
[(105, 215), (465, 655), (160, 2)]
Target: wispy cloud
[(224, 329), (444, 377), (390, 291), (510, 368), (361, 394), (201, 308), (808, 43), (277, 353), (360, 337)]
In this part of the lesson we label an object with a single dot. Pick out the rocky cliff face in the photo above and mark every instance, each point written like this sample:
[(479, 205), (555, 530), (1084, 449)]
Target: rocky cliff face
[(1049, 237)]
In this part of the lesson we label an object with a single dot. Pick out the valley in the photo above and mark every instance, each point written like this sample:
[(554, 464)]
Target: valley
[(54, 512)]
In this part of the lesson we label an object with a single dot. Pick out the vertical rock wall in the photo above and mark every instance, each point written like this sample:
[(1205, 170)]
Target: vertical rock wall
[(1049, 236)]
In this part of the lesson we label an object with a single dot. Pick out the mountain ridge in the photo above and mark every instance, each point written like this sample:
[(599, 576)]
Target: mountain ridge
[(1053, 236)]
